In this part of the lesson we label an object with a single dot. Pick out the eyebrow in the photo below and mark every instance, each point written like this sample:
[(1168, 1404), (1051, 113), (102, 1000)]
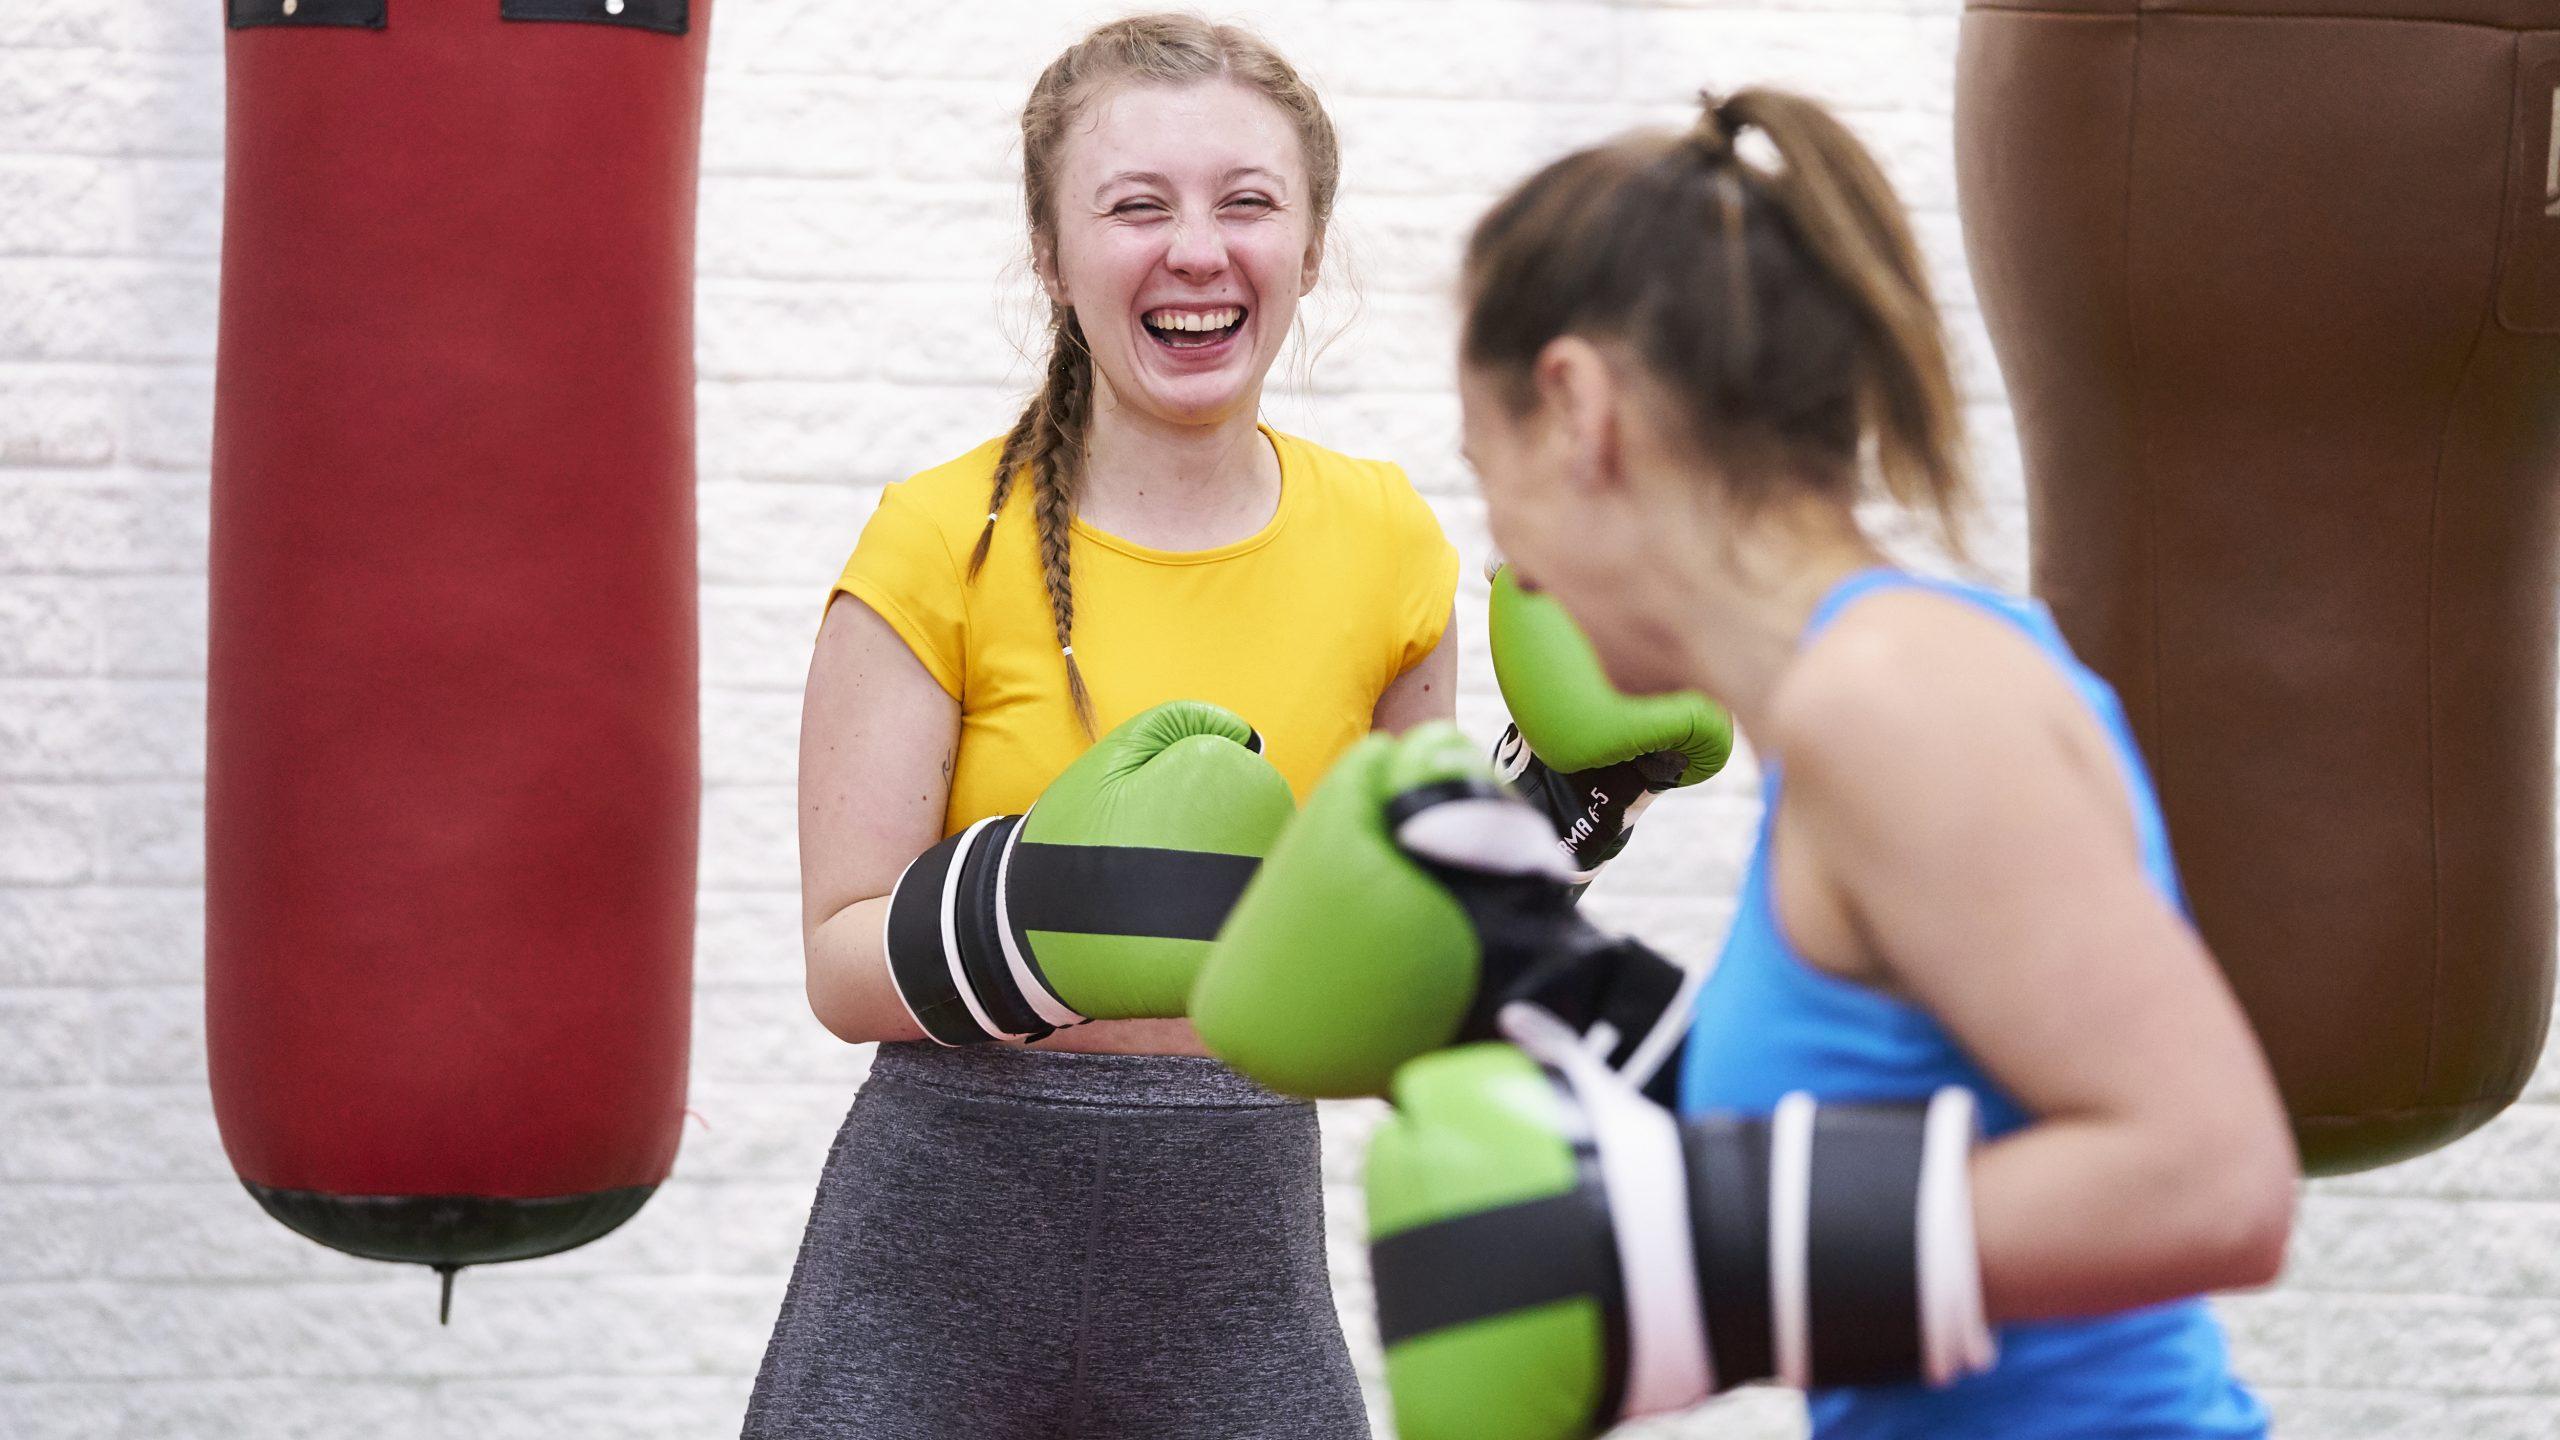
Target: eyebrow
[(1151, 177)]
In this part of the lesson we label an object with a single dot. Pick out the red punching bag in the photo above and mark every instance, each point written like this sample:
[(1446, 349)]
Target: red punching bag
[(2276, 287), (451, 775)]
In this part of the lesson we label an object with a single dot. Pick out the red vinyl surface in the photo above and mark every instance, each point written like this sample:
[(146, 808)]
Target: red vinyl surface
[(452, 771)]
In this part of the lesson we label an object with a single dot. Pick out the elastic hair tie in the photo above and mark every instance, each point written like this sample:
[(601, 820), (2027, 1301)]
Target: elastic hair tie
[(1713, 135), (1716, 129)]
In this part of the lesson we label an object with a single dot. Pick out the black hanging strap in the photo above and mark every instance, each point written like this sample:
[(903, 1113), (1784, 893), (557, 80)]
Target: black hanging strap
[(667, 17), (362, 14)]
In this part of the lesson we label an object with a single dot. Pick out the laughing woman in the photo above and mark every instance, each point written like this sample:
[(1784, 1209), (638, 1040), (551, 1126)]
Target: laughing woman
[(1100, 1231)]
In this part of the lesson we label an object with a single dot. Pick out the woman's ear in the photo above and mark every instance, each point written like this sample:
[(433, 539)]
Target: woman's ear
[(1312, 267), (1044, 263), (1577, 386)]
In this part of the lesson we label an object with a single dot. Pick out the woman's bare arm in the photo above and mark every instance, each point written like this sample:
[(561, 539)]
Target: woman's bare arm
[(1974, 826), (877, 741), (1427, 691)]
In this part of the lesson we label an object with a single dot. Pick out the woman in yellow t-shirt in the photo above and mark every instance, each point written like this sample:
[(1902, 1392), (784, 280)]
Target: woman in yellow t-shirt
[(1104, 1233)]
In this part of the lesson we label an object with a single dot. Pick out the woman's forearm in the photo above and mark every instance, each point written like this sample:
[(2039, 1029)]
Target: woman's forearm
[(848, 976), (851, 994), (2082, 1217), (1128, 1037)]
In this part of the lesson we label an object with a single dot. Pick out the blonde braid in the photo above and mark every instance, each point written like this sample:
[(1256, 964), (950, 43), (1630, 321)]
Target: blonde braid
[(1056, 478), (1017, 448), (1035, 439)]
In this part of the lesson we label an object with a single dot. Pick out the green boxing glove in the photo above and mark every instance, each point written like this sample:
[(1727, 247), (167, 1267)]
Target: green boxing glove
[(1589, 755), (1100, 901), (1553, 1254), (1413, 904)]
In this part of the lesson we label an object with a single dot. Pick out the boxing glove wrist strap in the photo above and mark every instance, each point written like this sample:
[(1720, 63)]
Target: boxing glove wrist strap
[(1820, 1246), (961, 934), (1625, 1001), (1630, 1004), (1867, 1256), (1593, 811), (1833, 1244)]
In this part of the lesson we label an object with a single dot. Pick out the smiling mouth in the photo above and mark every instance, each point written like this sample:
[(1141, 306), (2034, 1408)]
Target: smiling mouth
[(1193, 329)]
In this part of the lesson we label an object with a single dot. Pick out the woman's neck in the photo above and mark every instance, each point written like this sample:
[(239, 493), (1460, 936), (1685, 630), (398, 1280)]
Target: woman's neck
[(1143, 473), (1751, 612)]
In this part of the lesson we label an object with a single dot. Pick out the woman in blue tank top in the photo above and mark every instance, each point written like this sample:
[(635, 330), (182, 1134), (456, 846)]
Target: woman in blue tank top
[(1682, 367)]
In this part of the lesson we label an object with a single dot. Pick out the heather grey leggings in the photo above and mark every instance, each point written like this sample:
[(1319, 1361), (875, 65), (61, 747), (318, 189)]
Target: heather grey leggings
[(1012, 1242)]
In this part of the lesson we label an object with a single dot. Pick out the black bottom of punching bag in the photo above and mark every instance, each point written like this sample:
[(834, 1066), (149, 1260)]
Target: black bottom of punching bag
[(451, 1230)]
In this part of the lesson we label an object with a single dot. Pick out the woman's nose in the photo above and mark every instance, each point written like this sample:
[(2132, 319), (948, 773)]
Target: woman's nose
[(1198, 251)]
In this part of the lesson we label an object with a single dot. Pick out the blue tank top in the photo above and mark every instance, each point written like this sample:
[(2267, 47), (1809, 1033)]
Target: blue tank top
[(1768, 1022)]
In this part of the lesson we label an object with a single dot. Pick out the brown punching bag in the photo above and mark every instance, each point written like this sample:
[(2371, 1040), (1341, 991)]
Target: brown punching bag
[(2275, 285), (451, 774)]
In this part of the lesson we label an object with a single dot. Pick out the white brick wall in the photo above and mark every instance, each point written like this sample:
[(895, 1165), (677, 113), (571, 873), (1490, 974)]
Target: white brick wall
[(863, 312)]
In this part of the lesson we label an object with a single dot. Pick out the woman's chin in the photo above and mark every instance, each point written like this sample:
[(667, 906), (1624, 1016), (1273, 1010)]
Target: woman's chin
[(1638, 674), (1197, 399), (1645, 683)]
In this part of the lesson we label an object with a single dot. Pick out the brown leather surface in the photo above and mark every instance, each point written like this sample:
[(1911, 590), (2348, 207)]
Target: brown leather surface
[(2291, 490), (2501, 14)]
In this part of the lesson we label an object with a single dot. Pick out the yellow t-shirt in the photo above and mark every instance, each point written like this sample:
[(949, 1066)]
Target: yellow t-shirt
[(1298, 628)]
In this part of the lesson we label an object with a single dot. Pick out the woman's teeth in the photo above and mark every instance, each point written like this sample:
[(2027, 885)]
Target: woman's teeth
[(1186, 329), (1195, 319)]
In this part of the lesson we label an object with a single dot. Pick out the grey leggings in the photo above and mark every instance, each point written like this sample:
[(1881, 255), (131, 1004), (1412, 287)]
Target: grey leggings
[(1013, 1242)]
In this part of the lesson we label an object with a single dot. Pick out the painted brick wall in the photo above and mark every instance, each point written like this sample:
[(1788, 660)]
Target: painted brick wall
[(863, 312)]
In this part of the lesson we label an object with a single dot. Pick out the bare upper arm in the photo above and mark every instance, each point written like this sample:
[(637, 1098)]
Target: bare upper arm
[(878, 736), (1972, 818), (1428, 690)]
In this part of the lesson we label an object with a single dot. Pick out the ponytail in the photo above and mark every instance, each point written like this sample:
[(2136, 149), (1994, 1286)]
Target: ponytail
[(1786, 306), (1838, 201)]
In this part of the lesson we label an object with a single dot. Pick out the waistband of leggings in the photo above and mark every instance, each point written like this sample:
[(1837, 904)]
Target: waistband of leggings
[(1071, 1077)]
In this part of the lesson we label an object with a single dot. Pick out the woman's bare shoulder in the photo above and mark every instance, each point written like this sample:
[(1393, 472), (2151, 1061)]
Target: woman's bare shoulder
[(1906, 668)]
